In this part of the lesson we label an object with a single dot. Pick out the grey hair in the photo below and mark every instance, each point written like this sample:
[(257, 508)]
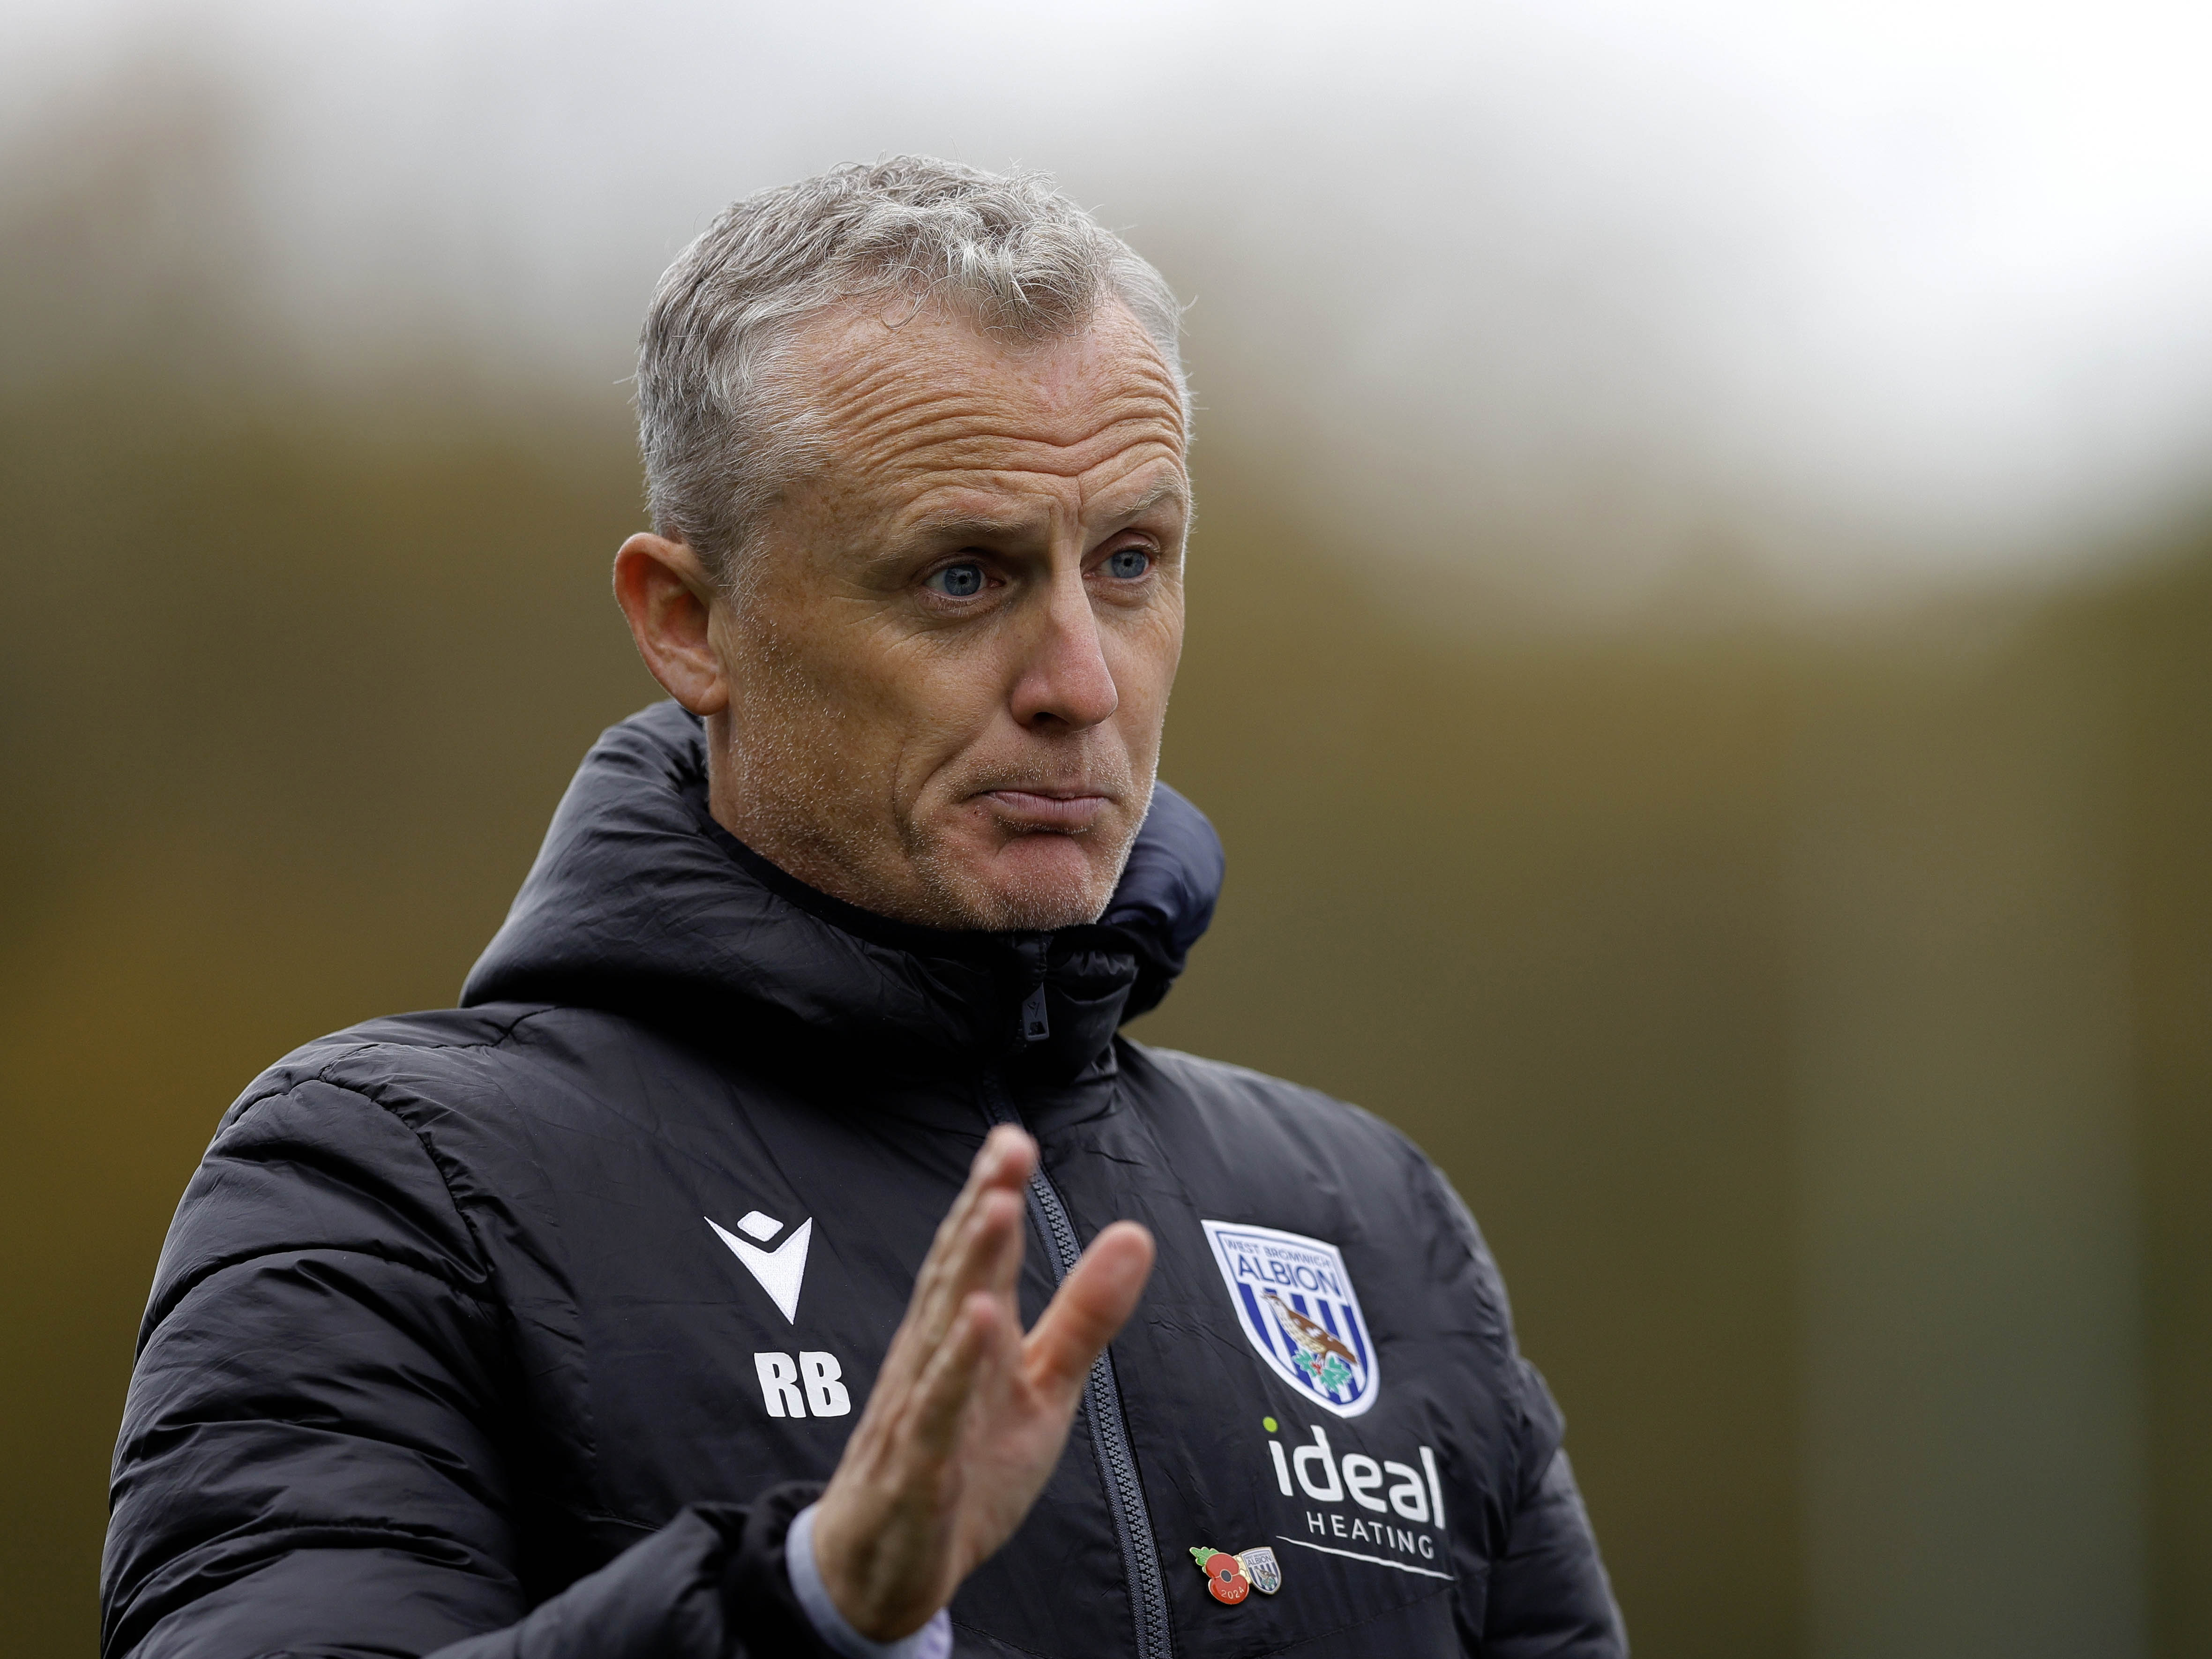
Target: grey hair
[(721, 436)]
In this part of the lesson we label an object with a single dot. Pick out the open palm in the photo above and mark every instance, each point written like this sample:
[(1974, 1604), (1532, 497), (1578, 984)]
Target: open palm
[(969, 1414)]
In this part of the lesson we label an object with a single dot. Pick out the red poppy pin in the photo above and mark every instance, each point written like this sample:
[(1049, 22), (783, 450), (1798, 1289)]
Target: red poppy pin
[(1231, 1578)]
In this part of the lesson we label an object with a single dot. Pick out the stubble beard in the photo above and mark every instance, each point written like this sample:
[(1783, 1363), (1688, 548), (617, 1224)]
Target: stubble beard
[(800, 810), (962, 897)]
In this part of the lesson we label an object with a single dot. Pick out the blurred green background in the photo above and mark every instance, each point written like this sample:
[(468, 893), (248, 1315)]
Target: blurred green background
[(1812, 1003)]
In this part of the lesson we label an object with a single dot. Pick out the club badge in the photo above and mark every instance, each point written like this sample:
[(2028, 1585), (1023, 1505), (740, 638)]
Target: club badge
[(1295, 1302), (1231, 1578)]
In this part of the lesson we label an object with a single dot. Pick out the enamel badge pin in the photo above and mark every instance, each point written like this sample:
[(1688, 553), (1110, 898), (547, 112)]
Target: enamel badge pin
[(1231, 1578)]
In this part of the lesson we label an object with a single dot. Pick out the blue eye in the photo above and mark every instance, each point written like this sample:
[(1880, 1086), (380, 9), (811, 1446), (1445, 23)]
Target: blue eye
[(959, 581), (1129, 563)]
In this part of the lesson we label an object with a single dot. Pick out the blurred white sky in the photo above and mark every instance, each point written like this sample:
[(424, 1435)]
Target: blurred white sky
[(1892, 291)]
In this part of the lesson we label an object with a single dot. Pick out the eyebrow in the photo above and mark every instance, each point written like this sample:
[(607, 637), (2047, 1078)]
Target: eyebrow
[(1173, 485), (956, 524)]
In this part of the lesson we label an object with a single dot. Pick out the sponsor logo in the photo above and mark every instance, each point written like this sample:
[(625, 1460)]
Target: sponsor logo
[(811, 1384), (1295, 1302), (1404, 1502), (780, 1271), (1369, 1532)]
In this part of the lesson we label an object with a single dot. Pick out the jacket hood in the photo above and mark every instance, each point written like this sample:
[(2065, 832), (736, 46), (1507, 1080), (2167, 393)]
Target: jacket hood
[(639, 901)]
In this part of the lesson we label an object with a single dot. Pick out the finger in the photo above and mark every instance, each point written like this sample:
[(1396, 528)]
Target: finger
[(948, 1383), (999, 1268), (1004, 1161), (1093, 1304), (1002, 1164), (969, 1261), (887, 1506)]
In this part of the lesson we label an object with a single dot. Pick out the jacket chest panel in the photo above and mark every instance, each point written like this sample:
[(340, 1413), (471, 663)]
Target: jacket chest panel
[(1297, 1380), (733, 1328), (1366, 1515), (732, 1310)]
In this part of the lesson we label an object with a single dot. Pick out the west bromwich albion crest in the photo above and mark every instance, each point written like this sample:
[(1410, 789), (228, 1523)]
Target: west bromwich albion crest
[(1296, 1306)]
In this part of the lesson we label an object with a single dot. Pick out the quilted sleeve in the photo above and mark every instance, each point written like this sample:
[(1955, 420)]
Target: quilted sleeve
[(1547, 1595)]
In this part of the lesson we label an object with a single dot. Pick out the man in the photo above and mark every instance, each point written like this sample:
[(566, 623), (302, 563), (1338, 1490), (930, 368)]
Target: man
[(791, 1084)]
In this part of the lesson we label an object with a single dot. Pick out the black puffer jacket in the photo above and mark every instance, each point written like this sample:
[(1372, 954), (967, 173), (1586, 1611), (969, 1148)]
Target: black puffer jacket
[(525, 1329)]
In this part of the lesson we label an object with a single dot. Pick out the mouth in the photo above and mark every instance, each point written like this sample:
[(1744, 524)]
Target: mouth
[(1047, 811)]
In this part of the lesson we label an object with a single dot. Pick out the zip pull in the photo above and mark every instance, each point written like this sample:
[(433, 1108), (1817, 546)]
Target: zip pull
[(1035, 1027)]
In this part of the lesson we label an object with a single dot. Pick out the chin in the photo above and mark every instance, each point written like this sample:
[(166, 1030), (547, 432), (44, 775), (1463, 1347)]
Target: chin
[(1030, 884)]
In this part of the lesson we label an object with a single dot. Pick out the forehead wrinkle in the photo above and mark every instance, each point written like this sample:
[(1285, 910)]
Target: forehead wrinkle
[(884, 403), (975, 471), (888, 429), (849, 346)]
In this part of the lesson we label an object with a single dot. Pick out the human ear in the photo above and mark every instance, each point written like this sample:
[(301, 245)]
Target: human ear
[(667, 596)]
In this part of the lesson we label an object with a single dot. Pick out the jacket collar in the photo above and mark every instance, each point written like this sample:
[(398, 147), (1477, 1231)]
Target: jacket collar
[(640, 901)]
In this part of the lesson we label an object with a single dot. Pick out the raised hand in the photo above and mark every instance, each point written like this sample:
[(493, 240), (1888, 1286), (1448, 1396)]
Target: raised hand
[(969, 1414)]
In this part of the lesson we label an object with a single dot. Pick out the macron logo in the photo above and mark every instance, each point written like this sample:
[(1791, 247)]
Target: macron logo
[(780, 1270)]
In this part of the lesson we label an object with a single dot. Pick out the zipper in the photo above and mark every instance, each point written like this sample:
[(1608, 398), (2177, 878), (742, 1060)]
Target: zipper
[(1102, 1406)]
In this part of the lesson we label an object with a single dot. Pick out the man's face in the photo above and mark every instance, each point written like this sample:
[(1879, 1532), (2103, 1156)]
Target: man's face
[(949, 661)]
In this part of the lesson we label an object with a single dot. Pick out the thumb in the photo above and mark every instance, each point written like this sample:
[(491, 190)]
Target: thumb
[(1093, 1302)]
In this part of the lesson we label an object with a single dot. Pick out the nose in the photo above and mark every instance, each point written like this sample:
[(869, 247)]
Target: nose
[(1066, 682)]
